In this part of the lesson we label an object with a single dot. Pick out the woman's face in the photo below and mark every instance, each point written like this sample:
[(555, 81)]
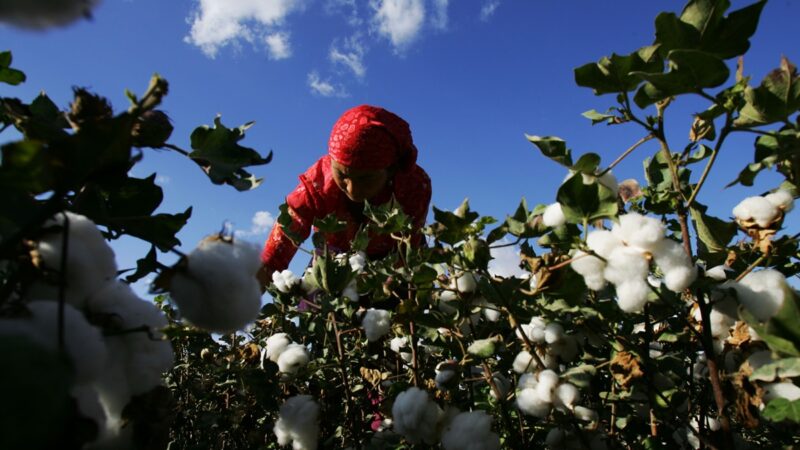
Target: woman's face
[(359, 184)]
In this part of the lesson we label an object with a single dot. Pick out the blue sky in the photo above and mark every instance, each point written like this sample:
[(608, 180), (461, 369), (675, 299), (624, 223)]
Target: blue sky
[(471, 77)]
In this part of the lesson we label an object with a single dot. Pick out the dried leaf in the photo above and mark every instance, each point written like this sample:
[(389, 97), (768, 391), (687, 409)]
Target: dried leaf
[(625, 368)]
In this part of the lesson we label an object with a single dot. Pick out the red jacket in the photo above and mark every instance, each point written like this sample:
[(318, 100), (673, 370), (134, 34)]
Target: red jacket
[(317, 196)]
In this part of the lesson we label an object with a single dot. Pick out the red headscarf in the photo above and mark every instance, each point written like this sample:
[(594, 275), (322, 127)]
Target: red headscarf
[(369, 137)]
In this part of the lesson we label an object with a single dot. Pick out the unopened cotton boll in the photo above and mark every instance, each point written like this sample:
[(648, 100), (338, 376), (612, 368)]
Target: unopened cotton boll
[(293, 358), (591, 268), (297, 423), (376, 323), (529, 402), (276, 344), (639, 231), (470, 431), (42, 14), (553, 216), (757, 209), (632, 295), (524, 362), (415, 416), (218, 289), (89, 264), (766, 291), (781, 199)]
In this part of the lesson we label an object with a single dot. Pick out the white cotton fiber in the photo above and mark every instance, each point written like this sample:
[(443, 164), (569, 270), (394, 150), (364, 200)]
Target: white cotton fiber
[(524, 362), (603, 242), (679, 271), (527, 381), (626, 264), (400, 346), (376, 323), (466, 283), (297, 423), (548, 380), (490, 311), (639, 231), (276, 344), (758, 209), (717, 273), (219, 291), (470, 431), (350, 292), (679, 279), (781, 199), (632, 295), (358, 261), (785, 389), (765, 292), (529, 402), (88, 402), (553, 216), (415, 416), (591, 268), (284, 280), (553, 333), (90, 261), (293, 358), (565, 395), (586, 414)]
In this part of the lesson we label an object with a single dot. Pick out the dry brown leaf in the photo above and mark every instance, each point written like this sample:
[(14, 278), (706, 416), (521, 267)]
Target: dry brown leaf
[(625, 368), (371, 376)]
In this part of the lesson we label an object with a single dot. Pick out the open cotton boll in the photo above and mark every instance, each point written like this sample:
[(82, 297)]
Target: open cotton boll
[(415, 416), (88, 402), (466, 283), (758, 209), (626, 264), (585, 414), (632, 295), (680, 278), (766, 291), (529, 402), (297, 423), (470, 431), (400, 346), (90, 261), (639, 231), (218, 290), (293, 358), (351, 291), (603, 242), (446, 372), (284, 280), (376, 323), (565, 395), (527, 381), (524, 362), (781, 199), (276, 344), (358, 261), (548, 380), (553, 333), (553, 216), (591, 268), (785, 389)]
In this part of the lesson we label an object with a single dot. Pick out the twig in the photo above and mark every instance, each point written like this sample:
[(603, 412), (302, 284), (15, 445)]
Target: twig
[(176, 148), (714, 153), (626, 153), (752, 266)]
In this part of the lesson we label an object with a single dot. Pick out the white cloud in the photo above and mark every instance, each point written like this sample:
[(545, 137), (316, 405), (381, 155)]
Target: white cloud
[(278, 45), (506, 262), (488, 9), (162, 180), (440, 19), (218, 23), (261, 223), (324, 87), (346, 8), (351, 56), (399, 20)]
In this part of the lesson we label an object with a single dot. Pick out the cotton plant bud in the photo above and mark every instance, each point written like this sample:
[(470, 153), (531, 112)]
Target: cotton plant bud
[(358, 261), (585, 414), (400, 346), (446, 374), (632, 295), (376, 323), (603, 242), (276, 344), (284, 280), (466, 283), (565, 395), (756, 209), (89, 264), (553, 216), (502, 384), (787, 390), (218, 289), (470, 431), (553, 333), (293, 358), (781, 199), (591, 268), (415, 416), (548, 380), (524, 362), (41, 14), (639, 231), (297, 423), (83, 343)]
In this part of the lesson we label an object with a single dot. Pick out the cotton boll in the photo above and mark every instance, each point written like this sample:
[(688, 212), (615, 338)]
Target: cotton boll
[(632, 295), (760, 359), (284, 280), (297, 423), (415, 416), (490, 311), (84, 343), (770, 289), (40, 14), (639, 231), (527, 381), (680, 278), (218, 290), (470, 431), (293, 358), (786, 390), (524, 362), (400, 346), (565, 395), (553, 333), (276, 344), (603, 242), (553, 216), (446, 373), (566, 348), (781, 199), (351, 292), (717, 273), (626, 264), (591, 268), (376, 323), (757, 209), (529, 402), (548, 380), (720, 324), (585, 414), (502, 384), (358, 261), (90, 261), (307, 283), (466, 283), (88, 402)]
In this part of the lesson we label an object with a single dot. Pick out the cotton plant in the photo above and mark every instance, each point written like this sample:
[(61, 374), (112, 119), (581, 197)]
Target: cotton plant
[(215, 286), (297, 423), (763, 211), (538, 394), (470, 431), (377, 323), (290, 356), (416, 416), (622, 257), (551, 344)]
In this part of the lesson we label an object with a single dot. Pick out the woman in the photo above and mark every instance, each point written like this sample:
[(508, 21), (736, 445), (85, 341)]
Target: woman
[(371, 156)]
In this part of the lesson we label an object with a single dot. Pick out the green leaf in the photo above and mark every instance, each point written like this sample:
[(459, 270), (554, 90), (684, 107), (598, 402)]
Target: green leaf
[(587, 163), (784, 368), (586, 202), (218, 153), (780, 409), (285, 221), (597, 117), (774, 100), (713, 234), (614, 74), (673, 33), (692, 71), (158, 229), (387, 218), (453, 227), (554, 148), (775, 149), (732, 37), (776, 343), (330, 224), (144, 266), (9, 75)]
